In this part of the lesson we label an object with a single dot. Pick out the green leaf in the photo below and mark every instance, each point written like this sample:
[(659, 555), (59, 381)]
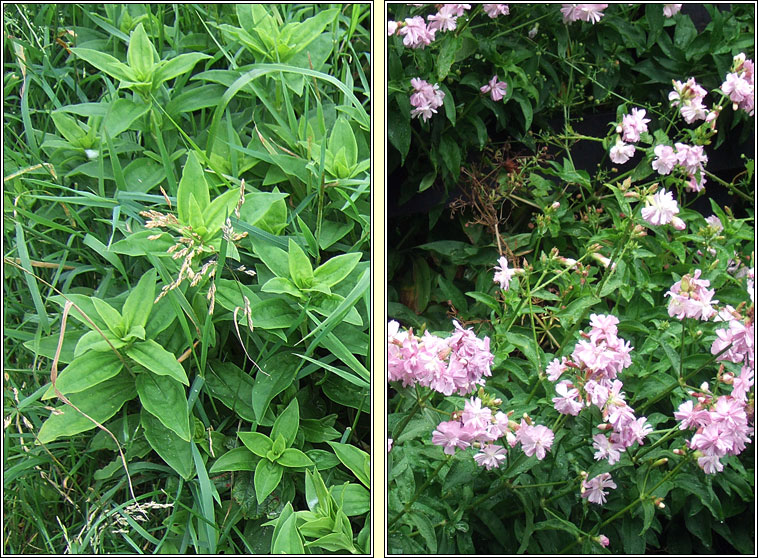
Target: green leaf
[(286, 538), (177, 453), (292, 457), (121, 115), (221, 208), (279, 373), (352, 498), (106, 63), (85, 372), (169, 69), (266, 210), (281, 285), (268, 475), (141, 54), (329, 305), (110, 316), (287, 423), (399, 128), (192, 183), (357, 460), (233, 387), (237, 459), (258, 443), (274, 258), (342, 136), (273, 313), (157, 360), (69, 128), (300, 268), (334, 270), (99, 402), (165, 398), (139, 303), (195, 217)]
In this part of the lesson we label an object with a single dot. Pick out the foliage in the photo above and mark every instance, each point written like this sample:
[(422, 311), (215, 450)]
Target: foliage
[(187, 228)]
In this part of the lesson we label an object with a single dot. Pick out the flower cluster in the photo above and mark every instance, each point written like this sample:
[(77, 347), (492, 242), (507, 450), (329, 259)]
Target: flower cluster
[(454, 364), (582, 12), (495, 88), (739, 85), (736, 343), (417, 33), (592, 490), (721, 428), (691, 298), (494, 10), (688, 96), (661, 209), (690, 158), (480, 424), (426, 99), (632, 126), (595, 364)]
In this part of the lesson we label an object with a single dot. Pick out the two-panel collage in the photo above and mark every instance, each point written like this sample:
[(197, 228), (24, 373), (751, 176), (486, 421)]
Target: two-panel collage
[(378, 278)]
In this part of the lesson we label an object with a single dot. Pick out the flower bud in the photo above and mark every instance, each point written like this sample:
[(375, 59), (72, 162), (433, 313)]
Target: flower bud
[(662, 461)]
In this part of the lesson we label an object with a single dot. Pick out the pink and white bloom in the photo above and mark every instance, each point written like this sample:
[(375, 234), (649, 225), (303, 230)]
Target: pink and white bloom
[(503, 274), (495, 88), (444, 19), (494, 10), (739, 84), (490, 456), (602, 539), (665, 159), (535, 439), (584, 12), (660, 208), (450, 435), (426, 99), (670, 10), (606, 449), (690, 298), (415, 33), (389, 445), (593, 490), (633, 124), (568, 401), (391, 28), (621, 152)]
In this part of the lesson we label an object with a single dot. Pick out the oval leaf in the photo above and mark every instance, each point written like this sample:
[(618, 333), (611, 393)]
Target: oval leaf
[(158, 360), (165, 398)]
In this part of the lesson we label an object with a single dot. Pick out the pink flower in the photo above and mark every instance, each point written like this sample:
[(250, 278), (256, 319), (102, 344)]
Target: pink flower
[(621, 152), (494, 10), (715, 223), (503, 274), (692, 158), (450, 435), (535, 439), (496, 89), (670, 10), (391, 28), (444, 19), (593, 490), (690, 298), (426, 99), (634, 124), (474, 415), (490, 456), (665, 159), (389, 445), (602, 539), (606, 449), (568, 401), (739, 84), (556, 368), (660, 208), (415, 33), (584, 12)]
